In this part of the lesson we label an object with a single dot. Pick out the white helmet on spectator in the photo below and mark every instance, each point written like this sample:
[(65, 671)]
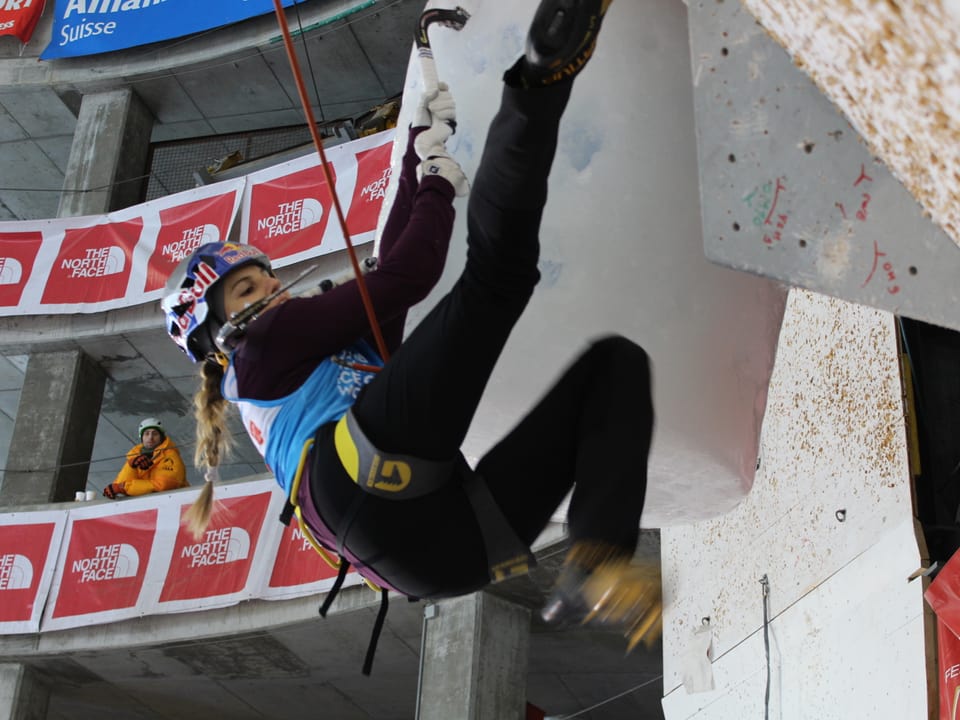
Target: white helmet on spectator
[(148, 423)]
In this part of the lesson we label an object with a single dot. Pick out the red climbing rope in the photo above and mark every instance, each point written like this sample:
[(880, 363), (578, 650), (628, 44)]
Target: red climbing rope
[(318, 143)]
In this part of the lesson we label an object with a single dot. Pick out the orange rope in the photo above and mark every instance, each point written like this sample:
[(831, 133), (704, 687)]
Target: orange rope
[(318, 143)]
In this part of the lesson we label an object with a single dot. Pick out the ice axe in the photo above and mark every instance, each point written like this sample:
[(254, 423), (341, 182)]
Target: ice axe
[(455, 19)]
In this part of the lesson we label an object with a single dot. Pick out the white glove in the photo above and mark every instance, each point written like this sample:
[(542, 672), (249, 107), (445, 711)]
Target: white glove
[(437, 104), (447, 168), (442, 106), (432, 141), (422, 116)]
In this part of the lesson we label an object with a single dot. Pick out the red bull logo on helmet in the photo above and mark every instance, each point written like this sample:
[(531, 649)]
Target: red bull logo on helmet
[(205, 277)]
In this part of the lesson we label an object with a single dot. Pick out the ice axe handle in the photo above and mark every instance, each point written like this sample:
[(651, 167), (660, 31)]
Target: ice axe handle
[(455, 19)]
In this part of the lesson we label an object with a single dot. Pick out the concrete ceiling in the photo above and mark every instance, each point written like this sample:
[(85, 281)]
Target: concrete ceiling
[(230, 80)]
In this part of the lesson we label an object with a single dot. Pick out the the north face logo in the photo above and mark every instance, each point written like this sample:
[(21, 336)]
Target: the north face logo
[(377, 189), (16, 572), (291, 217), (96, 262), (191, 239), (219, 547), (110, 562), (11, 271)]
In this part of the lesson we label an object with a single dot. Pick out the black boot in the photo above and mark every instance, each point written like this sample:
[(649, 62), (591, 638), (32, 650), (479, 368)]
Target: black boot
[(561, 39)]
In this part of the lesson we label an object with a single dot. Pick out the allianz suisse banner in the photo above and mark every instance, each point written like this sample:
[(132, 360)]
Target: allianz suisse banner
[(85, 27), (19, 17), (112, 561), (96, 263)]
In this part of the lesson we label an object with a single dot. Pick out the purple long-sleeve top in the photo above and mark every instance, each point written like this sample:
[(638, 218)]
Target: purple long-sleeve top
[(286, 344)]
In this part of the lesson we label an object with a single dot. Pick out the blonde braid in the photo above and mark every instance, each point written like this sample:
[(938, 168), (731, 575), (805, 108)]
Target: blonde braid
[(213, 438)]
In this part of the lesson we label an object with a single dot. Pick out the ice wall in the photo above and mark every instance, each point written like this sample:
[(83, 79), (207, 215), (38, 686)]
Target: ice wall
[(622, 250)]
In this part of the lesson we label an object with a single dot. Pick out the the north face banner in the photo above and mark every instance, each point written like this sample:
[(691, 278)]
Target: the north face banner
[(93, 264), (183, 228), (18, 252), (298, 567), (102, 562), (105, 564), (217, 565), (288, 212), (29, 544), (96, 263), (19, 17), (373, 175)]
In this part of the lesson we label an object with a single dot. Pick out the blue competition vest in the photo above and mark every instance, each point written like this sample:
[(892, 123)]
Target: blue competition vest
[(279, 428)]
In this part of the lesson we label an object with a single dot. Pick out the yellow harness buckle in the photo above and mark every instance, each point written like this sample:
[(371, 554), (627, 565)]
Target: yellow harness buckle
[(401, 477), (389, 475)]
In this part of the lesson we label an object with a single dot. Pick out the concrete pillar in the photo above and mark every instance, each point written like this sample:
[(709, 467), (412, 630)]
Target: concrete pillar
[(54, 430), (24, 695), (108, 157), (474, 664)]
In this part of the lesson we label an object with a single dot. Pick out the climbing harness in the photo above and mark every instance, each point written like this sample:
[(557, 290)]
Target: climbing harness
[(400, 477), (339, 563), (390, 475), (507, 555)]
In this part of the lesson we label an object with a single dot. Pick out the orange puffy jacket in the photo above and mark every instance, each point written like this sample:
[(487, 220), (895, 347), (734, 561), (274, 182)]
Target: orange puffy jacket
[(166, 471)]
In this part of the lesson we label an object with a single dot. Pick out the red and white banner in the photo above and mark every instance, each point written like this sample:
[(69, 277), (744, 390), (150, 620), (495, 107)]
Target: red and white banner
[(19, 17), (96, 263), (105, 562), (104, 568), (298, 569), (948, 655), (29, 548), (943, 595), (217, 569), (287, 208)]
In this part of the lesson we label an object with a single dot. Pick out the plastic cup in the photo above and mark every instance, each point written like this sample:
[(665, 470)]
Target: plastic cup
[(91, 494), (80, 496)]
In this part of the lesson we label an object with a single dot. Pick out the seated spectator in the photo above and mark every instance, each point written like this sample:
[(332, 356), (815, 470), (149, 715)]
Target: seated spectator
[(152, 466)]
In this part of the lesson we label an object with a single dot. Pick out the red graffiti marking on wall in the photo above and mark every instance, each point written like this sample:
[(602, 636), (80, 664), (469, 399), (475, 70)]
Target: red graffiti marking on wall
[(776, 237), (865, 198), (776, 196), (887, 266)]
